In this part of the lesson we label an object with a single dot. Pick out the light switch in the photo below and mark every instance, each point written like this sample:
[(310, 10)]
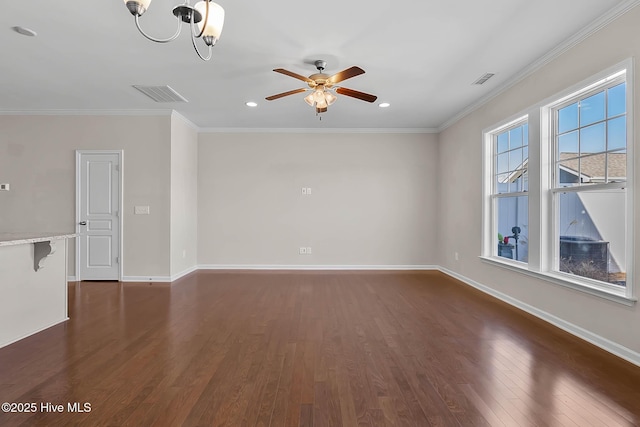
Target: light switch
[(141, 210), (308, 191), (4, 187), (304, 190)]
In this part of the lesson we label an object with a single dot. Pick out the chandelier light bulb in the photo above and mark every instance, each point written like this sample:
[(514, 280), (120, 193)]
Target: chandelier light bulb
[(137, 6), (215, 22)]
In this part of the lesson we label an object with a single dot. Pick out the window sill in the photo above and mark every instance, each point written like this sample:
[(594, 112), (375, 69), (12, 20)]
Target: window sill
[(558, 279)]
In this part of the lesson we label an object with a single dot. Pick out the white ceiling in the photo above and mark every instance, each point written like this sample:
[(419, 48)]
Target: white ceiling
[(420, 56)]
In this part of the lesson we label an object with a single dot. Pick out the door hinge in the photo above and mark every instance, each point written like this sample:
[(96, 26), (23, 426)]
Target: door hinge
[(117, 259), (117, 167)]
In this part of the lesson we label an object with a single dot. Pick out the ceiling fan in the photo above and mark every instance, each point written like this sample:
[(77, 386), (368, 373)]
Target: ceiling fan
[(323, 86)]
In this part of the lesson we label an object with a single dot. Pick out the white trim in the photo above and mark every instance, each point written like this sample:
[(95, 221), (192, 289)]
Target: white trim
[(74, 112), (314, 267), (606, 292), (147, 279), (34, 332), (71, 279), (183, 273), (595, 26), (320, 130), (605, 344), (623, 71), (120, 154), (186, 121)]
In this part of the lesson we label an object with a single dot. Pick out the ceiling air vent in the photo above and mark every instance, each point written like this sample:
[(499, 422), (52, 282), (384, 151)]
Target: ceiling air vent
[(161, 93), (483, 79)]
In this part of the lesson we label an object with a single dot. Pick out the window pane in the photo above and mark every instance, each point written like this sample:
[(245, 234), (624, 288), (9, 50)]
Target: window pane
[(525, 134), (568, 118), (518, 181), (503, 163), (568, 145), (592, 139), (515, 137), (592, 235), (617, 102), (592, 168), (568, 172), (617, 133), (592, 109), (503, 142), (513, 221), (617, 166), (502, 183), (525, 180), (515, 159)]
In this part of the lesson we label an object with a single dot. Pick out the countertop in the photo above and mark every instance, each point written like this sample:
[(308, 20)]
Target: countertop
[(20, 238)]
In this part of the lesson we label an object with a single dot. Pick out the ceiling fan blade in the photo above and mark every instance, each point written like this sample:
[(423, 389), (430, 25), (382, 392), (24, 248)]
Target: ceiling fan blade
[(355, 94), (283, 94), (294, 75), (345, 74)]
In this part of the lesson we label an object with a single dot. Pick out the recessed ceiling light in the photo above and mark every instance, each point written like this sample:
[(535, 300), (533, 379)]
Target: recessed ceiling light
[(384, 105), (251, 104), (25, 31)]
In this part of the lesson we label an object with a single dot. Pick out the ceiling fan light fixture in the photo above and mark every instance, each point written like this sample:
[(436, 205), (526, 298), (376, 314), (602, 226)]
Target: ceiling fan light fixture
[(330, 97), (323, 87), (309, 99), (318, 94)]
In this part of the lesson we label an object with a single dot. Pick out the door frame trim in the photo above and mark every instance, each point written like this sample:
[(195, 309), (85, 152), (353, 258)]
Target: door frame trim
[(120, 154)]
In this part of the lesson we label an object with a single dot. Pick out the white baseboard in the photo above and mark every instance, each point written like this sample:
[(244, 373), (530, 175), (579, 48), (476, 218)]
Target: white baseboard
[(184, 273), (148, 279), (605, 344), (33, 333), (71, 279), (313, 267)]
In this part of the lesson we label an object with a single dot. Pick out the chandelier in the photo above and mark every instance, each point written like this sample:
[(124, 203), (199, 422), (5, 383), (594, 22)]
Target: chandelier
[(206, 19)]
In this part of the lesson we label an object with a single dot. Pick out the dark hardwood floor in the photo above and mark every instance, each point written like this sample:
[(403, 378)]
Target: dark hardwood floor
[(311, 349)]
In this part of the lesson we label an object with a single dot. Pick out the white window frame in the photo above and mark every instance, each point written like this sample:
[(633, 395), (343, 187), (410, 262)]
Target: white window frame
[(541, 206), (554, 189), (491, 195)]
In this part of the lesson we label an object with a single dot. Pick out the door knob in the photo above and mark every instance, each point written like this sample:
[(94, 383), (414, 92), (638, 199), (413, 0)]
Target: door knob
[(83, 223)]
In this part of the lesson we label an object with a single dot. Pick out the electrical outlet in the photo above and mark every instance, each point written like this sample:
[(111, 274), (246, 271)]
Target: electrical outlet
[(308, 250), (303, 250), (184, 253), (5, 187), (455, 254), (308, 191)]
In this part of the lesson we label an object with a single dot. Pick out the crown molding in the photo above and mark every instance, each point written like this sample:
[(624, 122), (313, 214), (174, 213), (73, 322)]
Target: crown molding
[(595, 26), (186, 121), (319, 130), (75, 112)]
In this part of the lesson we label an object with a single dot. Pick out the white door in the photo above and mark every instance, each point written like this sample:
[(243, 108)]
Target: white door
[(98, 179)]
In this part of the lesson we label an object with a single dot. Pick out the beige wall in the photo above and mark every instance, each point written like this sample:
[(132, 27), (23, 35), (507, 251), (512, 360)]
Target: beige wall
[(460, 195), (372, 200), (184, 196), (37, 157)]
